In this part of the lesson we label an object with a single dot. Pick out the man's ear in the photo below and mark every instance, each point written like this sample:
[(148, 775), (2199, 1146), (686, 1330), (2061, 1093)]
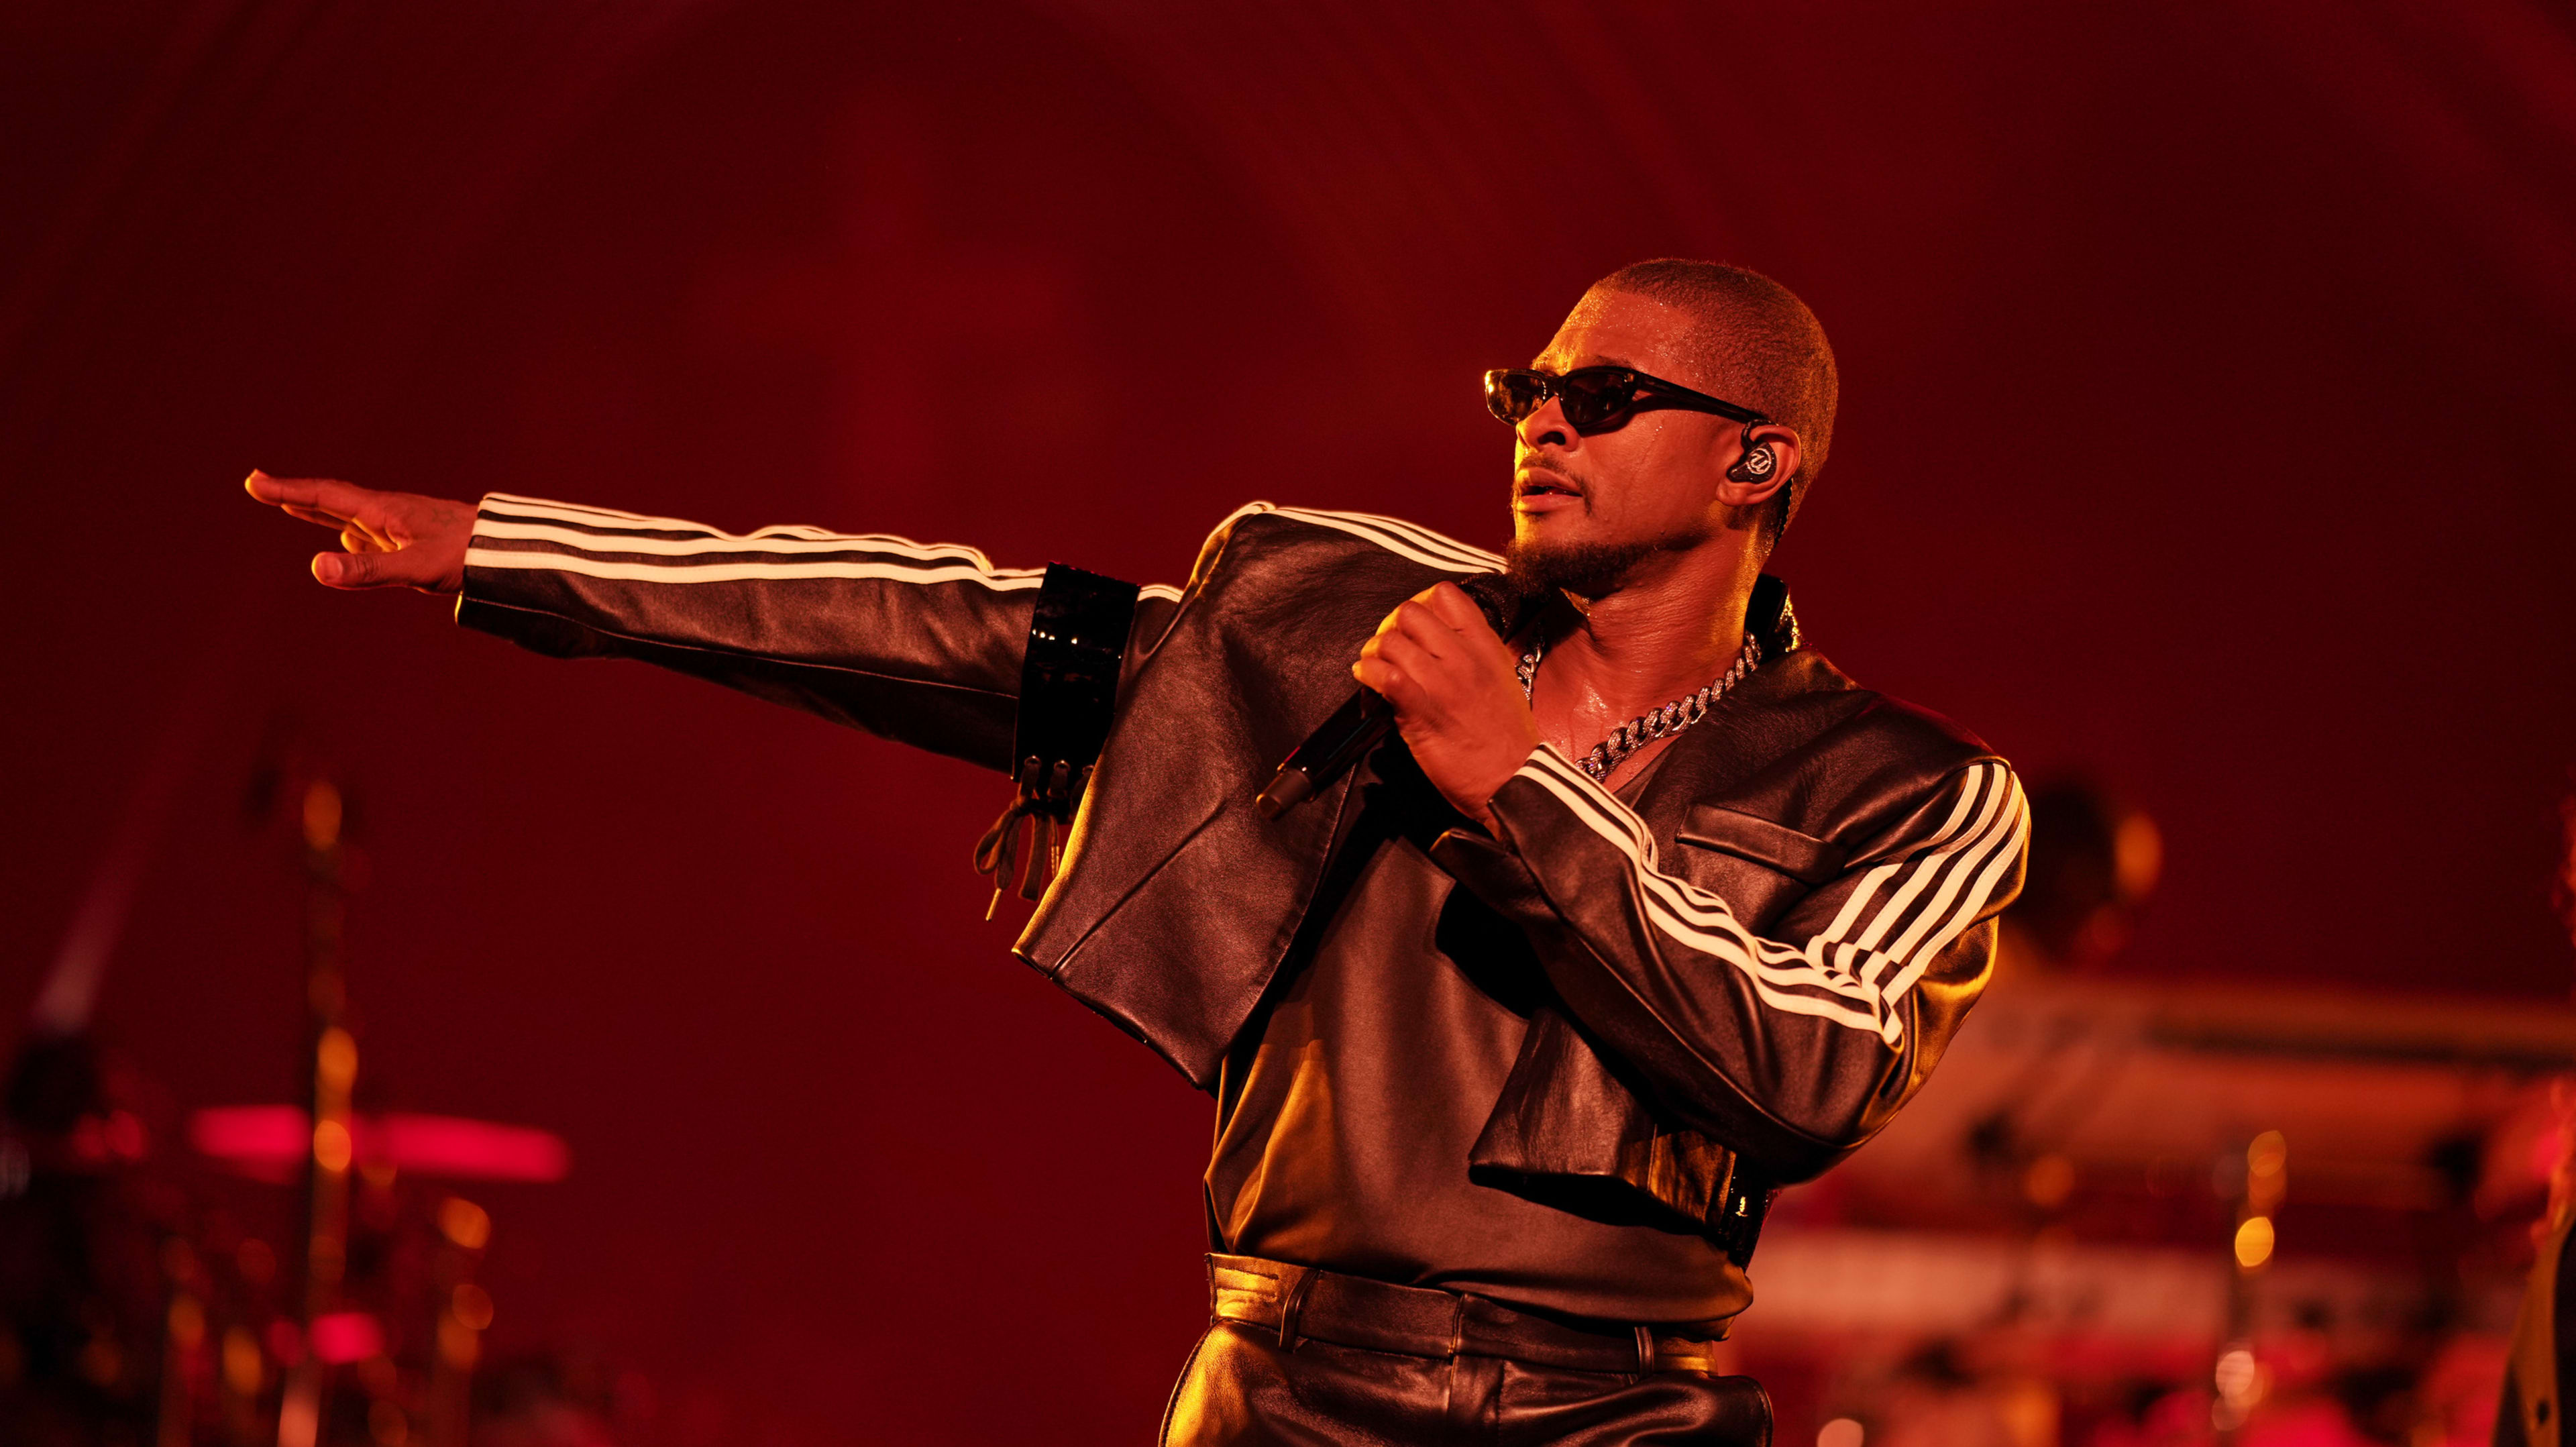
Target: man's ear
[(1744, 483)]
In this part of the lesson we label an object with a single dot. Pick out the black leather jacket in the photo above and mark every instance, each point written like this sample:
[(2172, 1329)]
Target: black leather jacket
[(1757, 965)]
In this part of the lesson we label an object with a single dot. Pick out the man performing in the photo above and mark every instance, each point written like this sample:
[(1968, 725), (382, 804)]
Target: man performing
[(1514, 1027)]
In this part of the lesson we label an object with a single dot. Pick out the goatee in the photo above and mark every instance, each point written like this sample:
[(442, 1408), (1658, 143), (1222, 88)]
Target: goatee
[(1586, 569)]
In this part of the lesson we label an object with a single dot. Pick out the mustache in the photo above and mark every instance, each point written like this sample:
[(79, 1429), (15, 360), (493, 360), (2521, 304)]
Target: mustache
[(1551, 464)]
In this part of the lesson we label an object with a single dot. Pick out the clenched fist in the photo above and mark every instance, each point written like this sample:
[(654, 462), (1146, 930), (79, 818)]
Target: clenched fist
[(1457, 695), (392, 538)]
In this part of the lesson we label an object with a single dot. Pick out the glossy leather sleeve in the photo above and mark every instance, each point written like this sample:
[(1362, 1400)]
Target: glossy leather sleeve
[(1792, 1046), (921, 643)]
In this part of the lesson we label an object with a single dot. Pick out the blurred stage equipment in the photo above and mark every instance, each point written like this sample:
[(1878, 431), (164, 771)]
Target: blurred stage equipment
[(2093, 862), (334, 1073), (81, 1237), (133, 1308), (334, 1143), (271, 1143), (2533, 1409), (2124, 1211)]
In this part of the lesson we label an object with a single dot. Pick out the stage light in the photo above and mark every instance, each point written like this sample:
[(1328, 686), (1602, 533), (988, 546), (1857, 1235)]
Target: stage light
[(331, 1146), (321, 816), (338, 1057), (187, 1322), (243, 1367), (457, 1343), (124, 1136), (2236, 1378), (2049, 1181), (2254, 1242), (464, 1223), (472, 1306), (101, 1362), (342, 1337)]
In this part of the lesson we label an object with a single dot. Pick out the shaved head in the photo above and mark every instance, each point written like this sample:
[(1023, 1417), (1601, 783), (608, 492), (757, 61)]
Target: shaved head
[(1754, 343)]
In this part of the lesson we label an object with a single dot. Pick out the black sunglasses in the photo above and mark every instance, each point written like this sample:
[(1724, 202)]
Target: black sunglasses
[(1601, 399)]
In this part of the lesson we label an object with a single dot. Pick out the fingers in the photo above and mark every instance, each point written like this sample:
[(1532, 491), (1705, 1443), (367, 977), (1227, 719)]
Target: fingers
[(1395, 665), (1441, 608), (350, 570), (344, 570), (1448, 621), (1425, 629), (1442, 631), (1404, 652), (1372, 669), (1392, 682), (368, 570), (1445, 620), (314, 499), (1456, 698), (393, 539), (1450, 604)]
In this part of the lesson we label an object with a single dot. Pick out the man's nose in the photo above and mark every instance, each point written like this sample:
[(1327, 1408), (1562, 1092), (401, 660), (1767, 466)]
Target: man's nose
[(1545, 425)]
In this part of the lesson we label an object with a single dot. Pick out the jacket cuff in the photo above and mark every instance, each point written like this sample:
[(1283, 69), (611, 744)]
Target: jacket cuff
[(508, 602), (1523, 804)]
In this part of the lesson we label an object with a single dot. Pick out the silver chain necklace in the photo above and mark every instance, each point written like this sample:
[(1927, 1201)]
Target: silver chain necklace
[(1654, 723)]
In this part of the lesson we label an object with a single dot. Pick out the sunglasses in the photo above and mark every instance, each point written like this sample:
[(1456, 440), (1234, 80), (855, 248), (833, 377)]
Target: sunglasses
[(1601, 399)]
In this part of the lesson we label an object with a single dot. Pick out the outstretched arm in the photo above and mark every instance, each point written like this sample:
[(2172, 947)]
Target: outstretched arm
[(922, 644)]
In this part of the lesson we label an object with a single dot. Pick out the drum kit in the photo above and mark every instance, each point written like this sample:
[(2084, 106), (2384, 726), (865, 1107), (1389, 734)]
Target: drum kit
[(134, 1309)]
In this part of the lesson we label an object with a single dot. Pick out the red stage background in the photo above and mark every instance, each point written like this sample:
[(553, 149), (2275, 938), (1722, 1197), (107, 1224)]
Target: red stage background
[(2206, 427)]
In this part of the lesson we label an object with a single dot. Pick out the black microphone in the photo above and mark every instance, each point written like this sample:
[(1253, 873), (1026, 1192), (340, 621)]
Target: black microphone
[(1361, 724)]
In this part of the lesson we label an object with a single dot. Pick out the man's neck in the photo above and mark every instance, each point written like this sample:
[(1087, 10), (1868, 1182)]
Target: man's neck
[(1673, 625)]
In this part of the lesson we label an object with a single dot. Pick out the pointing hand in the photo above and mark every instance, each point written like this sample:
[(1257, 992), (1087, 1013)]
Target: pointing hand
[(392, 538)]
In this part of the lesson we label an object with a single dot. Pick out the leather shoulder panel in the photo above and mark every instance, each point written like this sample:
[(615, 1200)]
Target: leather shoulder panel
[(1803, 769), (1292, 526)]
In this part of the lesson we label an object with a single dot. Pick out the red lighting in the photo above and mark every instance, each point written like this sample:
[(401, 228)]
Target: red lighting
[(346, 1336), (271, 1141)]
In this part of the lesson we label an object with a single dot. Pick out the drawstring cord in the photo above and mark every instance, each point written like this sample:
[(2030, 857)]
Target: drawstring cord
[(1034, 813), (999, 853)]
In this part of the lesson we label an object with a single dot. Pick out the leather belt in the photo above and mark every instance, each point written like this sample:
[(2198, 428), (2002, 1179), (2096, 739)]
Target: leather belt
[(1305, 1303)]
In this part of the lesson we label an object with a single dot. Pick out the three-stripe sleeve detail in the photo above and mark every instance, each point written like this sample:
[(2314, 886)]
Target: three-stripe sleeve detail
[(534, 534), (1901, 915), (539, 534)]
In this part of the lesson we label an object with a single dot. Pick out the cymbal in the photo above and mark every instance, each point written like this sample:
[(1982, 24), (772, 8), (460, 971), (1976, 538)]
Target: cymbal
[(272, 1142)]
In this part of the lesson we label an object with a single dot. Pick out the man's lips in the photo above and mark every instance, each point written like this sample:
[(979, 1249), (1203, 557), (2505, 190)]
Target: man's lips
[(1535, 481)]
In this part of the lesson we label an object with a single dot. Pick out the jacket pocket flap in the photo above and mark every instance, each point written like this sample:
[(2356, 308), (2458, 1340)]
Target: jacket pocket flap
[(1802, 857)]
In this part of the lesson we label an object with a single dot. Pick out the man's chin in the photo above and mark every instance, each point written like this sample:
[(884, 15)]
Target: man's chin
[(1586, 567)]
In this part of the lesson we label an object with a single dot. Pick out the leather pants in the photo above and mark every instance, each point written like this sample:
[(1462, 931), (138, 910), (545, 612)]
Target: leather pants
[(1269, 1372)]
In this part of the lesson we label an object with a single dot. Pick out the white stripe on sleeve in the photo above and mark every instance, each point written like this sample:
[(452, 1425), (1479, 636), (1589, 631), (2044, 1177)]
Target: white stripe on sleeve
[(626, 546), (1842, 974), (1410, 540)]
